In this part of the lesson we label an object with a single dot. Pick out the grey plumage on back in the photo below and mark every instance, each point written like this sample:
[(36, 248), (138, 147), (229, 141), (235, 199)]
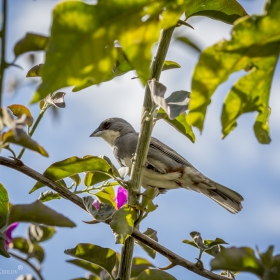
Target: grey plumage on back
[(164, 169)]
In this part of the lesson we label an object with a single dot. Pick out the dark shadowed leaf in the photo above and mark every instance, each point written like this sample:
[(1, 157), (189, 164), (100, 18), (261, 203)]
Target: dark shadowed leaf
[(168, 64), (152, 234), (21, 244), (254, 47), (223, 10), (18, 110), (148, 195), (238, 259), (31, 42), (122, 223), (38, 213), (189, 42), (93, 268), (154, 274), (22, 139), (35, 71), (4, 205), (3, 251), (139, 265), (74, 165), (179, 123), (38, 234), (103, 257)]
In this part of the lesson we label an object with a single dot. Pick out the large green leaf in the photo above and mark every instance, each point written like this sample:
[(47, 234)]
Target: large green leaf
[(22, 245), (254, 47), (122, 223), (38, 213), (81, 49), (18, 136), (4, 205), (74, 165), (103, 257), (155, 274), (238, 259), (223, 10), (31, 42)]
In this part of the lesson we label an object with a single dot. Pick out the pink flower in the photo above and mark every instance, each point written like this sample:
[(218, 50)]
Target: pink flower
[(8, 233), (96, 204), (121, 197)]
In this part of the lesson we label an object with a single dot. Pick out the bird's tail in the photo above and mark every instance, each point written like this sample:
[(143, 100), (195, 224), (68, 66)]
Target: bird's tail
[(224, 196)]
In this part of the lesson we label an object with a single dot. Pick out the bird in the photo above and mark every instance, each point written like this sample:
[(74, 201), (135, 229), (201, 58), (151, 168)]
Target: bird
[(164, 168)]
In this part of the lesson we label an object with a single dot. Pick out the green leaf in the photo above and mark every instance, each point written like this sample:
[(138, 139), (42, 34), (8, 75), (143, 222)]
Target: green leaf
[(22, 139), (155, 274), (238, 259), (31, 42), (93, 268), (38, 234), (107, 196), (4, 206), (18, 110), (179, 123), (103, 257), (223, 10), (76, 179), (138, 265), (254, 47), (267, 257), (48, 195), (35, 71), (189, 43), (38, 213), (148, 195), (152, 234), (122, 223), (74, 165), (92, 178), (169, 64), (21, 244)]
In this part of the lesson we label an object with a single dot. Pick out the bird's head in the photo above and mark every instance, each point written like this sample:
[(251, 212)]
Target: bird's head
[(111, 129)]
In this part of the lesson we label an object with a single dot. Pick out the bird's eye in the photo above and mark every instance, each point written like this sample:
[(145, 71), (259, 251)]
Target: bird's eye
[(106, 125)]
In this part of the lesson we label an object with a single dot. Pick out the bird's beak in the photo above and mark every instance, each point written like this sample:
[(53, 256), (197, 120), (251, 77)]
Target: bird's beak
[(96, 133)]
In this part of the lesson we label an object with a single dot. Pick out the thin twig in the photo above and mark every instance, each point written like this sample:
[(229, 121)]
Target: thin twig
[(29, 264), (42, 112), (3, 47)]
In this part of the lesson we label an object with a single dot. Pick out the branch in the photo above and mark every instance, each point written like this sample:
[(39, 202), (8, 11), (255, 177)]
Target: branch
[(29, 264), (142, 148), (3, 46), (174, 258)]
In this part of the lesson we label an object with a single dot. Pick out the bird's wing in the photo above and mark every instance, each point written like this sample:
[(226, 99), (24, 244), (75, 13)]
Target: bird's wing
[(162, 158)]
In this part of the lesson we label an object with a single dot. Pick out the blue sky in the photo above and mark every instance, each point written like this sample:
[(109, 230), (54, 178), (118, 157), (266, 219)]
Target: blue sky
[(239, 161)]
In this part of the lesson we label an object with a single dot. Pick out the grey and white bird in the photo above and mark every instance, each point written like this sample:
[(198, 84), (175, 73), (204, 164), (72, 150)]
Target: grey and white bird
[(164, 169)]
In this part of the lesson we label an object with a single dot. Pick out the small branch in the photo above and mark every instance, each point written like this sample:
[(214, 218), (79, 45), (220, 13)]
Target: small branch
[(3, 47), (174, 258), (29, 264)]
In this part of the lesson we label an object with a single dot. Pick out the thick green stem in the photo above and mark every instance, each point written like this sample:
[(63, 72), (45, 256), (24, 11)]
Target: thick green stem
[(3, 47), (45, 107), (142, 148)]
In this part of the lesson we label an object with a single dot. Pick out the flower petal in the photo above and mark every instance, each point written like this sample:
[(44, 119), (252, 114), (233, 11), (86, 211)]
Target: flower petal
[(121, 197)]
